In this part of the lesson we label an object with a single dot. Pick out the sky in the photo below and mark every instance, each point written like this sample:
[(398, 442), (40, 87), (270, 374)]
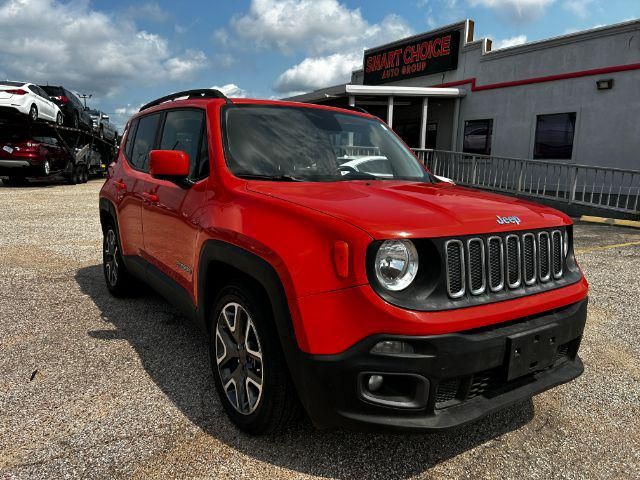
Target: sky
[(127, 53)]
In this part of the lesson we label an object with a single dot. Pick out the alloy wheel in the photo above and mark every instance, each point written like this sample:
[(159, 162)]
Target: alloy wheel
[(33, 113), (46, 168), (110, 258), (239, 358)]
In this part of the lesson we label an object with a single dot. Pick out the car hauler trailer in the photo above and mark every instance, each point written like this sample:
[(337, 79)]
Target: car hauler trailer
[(41, 150)]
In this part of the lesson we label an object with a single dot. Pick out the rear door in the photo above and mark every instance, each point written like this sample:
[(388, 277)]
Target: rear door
[(45, 106), (131, 180), (172, 210)]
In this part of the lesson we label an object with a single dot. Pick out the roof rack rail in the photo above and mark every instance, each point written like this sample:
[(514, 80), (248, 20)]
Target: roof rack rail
[(200, 93)]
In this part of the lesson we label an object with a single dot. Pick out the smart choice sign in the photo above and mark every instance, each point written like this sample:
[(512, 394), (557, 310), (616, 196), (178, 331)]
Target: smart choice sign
[(417, 56)]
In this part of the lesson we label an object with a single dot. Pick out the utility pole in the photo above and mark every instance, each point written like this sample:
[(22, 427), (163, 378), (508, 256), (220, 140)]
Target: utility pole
[(84, 97)]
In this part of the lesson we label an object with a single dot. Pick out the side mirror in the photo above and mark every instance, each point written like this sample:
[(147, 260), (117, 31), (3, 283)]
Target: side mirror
[(171, 164)]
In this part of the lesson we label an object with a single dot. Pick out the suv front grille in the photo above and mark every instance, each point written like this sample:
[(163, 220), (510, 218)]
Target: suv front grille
[(498, 263)]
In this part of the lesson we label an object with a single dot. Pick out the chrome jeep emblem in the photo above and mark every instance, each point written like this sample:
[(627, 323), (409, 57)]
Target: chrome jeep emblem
[(506, 220)]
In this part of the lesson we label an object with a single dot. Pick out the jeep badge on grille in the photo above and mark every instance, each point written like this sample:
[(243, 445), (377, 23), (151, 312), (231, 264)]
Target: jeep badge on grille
[(505, 220)]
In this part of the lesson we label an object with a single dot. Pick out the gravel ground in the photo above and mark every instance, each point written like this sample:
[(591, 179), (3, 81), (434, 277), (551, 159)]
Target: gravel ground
[(94, 387)]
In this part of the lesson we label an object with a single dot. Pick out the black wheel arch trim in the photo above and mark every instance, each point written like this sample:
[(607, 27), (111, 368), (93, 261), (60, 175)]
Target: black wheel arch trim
[(265, 274)]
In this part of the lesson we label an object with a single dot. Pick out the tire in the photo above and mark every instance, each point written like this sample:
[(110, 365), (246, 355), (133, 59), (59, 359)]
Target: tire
[(59, 119), (46, 168), (74, 176), (76, 121), (33, 113), (85, 174), (268, 402), (117, 277)]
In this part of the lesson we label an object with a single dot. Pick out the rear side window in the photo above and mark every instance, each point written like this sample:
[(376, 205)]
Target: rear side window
[(144, 141), (184, 130), (130, 136)]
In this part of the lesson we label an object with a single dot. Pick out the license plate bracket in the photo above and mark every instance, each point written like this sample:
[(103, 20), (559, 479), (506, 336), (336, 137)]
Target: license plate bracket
[(531, 351)]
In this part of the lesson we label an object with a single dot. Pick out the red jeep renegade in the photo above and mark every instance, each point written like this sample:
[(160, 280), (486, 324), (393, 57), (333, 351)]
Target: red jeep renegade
[(330, 270)]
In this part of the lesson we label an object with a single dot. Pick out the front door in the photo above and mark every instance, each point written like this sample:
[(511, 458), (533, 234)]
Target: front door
[(172, 210)]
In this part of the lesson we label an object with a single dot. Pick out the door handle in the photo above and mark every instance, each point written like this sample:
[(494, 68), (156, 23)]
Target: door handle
[(151, 197)]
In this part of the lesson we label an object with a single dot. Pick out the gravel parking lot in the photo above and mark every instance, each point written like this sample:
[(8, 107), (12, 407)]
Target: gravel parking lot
[(95, 387)]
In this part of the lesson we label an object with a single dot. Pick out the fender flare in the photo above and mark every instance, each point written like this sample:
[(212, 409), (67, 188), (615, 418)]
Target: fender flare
[(254, 267)]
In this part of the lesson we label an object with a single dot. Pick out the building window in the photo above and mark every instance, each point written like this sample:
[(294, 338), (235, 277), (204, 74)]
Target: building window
[(477, 136), (554, 136)]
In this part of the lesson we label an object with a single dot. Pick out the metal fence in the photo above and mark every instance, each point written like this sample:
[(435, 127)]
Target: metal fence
[(607, 188)]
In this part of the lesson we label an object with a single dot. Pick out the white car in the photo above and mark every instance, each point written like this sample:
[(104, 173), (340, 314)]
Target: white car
[(375, 165), (28, 99)]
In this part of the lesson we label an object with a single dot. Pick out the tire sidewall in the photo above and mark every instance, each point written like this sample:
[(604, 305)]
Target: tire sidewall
[(33, 110), (251, 302), (119, 285)]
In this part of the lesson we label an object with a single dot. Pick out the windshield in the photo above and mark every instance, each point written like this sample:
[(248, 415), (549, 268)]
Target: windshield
[(311, 144)]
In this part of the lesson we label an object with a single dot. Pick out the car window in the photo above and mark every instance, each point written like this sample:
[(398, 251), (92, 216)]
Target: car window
[(130, 136), (144, 141), (41, 92), (183, 130)]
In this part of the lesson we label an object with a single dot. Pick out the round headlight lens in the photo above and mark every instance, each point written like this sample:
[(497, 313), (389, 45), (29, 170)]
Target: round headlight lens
[(396, 264)]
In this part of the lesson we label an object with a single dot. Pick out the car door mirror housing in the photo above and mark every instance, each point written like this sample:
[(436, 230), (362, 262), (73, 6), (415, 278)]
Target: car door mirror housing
[(173, 164)]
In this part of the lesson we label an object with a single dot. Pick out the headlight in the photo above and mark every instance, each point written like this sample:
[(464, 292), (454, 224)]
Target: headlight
[(396, 264)]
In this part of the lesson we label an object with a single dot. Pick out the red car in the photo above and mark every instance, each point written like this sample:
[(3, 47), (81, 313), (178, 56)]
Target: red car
[(392, 301), (35, 154)]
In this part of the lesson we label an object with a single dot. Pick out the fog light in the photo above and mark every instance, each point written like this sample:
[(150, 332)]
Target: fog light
[(375, 383), (392, 347)]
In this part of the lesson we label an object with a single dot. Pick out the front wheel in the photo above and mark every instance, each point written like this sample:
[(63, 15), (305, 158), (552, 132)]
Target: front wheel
[(116, 274), (248, 365)]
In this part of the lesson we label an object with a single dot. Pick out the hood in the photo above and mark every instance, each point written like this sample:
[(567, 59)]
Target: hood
[(392, 209)]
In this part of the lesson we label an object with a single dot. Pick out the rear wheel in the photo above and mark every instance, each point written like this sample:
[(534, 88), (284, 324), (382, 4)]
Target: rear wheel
[(33, 113), (116, 275), (59, 119), (248, 365), (76, 121), (46, 168)]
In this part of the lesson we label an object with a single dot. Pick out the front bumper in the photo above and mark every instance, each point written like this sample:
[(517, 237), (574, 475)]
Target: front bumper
[(449, 379)]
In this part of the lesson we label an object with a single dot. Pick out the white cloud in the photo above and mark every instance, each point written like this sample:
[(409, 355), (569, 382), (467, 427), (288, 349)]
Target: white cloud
[(84, 49), (581, 8), (332, 35), (516, 10), (231, 90), (509, 42), (185, 66), (314, 26), (317, 72)]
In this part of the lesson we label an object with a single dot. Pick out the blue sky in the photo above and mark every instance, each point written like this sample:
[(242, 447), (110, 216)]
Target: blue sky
[(126, 53)]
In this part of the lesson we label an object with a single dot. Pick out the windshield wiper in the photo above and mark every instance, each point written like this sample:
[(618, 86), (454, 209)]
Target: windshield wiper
[(359, 176), (273, 178)]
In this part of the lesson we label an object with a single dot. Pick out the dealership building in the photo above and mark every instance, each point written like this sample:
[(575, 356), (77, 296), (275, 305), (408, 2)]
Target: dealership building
[(573, 98)]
